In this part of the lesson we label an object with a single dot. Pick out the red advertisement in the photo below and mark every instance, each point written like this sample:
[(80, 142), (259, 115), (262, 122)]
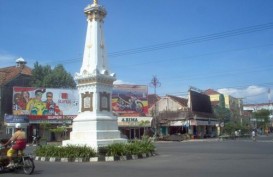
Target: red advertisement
[(130, 100), (45, 103)]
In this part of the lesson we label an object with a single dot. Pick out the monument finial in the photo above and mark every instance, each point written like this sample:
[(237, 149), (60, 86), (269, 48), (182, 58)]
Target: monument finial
[(95, 2)]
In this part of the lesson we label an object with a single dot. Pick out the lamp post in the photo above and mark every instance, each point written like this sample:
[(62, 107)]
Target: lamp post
[(155, 84)]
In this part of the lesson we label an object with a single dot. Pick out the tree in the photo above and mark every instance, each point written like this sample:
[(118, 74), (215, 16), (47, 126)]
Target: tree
[(58, 77), (44, 126), (262, 118), (220, 110)]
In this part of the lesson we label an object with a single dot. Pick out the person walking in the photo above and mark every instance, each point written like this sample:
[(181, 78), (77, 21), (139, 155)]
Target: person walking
[(253, 135)]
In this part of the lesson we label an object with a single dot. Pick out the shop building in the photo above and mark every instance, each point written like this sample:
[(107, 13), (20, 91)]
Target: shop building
[(18, 75), (192, 115), (135, 127)]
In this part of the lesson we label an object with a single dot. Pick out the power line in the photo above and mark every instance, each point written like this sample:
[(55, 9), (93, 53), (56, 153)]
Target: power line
[(193, 40), (205, 38), (194, 56)]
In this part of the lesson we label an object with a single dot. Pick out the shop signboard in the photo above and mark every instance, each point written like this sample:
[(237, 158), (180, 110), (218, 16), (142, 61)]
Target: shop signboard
[(45, 103), (130, 100), (134, 121), (16, 119)]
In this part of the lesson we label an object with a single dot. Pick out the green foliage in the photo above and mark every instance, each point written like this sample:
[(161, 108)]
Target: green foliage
[(231, 127), (222, 102), (136, 147), (44, 126), (262, 118), (58, 129), (118, 149), (44, 76), (220, 111), (65, 151)]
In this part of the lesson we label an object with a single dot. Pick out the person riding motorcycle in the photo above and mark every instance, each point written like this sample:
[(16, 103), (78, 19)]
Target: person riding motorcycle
[(19, 139)]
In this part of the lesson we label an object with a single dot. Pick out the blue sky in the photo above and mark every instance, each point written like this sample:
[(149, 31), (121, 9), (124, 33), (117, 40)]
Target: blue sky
[(225, 45)]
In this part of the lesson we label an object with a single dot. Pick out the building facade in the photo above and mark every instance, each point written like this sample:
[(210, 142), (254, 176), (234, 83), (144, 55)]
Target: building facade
[(176, 115), (235, 105), (18, 75)]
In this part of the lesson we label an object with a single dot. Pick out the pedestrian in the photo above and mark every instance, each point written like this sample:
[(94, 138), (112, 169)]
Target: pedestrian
[(236, 134), (253, 135)]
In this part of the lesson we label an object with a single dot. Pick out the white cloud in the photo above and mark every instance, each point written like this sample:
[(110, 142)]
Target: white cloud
[(10, 60), (251, 94), (7, 59), (122, 82)]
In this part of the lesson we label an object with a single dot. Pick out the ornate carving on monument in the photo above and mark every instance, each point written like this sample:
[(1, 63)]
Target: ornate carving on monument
[(97, 15), (103, 78), (87, 100), (104, 101)]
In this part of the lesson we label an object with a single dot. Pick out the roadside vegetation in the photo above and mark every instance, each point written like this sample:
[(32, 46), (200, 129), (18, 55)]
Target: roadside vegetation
[(135, 147)]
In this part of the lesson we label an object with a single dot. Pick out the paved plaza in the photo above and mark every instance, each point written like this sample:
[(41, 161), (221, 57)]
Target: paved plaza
[(203, 158)]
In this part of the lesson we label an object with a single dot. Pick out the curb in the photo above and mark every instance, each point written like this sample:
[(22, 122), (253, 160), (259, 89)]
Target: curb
[(95, 159)]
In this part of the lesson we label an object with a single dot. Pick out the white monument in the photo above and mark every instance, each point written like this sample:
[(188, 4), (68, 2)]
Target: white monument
[(95, 125)]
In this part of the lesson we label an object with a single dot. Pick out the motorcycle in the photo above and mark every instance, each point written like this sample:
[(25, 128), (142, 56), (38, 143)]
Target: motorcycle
[(22, 162), (132, 104)]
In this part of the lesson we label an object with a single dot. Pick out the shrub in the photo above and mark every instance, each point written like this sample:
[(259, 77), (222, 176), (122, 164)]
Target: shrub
[(117, 149), (65, 151), (135, 147)]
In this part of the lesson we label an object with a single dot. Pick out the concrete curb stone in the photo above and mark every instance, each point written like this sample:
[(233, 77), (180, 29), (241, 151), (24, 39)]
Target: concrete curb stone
[(95, 159)]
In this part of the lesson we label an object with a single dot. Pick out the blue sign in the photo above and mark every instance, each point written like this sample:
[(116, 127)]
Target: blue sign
[(16, 119)]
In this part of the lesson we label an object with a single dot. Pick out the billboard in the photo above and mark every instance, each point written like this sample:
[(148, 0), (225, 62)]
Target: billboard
[(45, 102), (130, 100), (200, 102)]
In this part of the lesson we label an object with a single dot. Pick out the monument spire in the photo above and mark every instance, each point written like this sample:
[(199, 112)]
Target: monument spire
[(95, 124), (95, 56)]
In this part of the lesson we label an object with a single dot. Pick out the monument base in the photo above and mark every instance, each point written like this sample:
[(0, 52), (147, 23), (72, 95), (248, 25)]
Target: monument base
[(94, 130)]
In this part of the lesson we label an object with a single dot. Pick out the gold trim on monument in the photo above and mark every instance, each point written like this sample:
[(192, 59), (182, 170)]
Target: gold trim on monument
[(95, 80)]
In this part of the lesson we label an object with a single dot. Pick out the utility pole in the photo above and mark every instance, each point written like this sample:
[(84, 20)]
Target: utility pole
[(241, 109), (155, 84)]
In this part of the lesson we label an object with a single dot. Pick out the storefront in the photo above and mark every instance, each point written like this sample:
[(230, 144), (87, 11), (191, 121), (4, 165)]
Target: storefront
[(11, 120), (178, 127), (45, 127), (199, 128), (39, 125), (134, 127), (203, 128)]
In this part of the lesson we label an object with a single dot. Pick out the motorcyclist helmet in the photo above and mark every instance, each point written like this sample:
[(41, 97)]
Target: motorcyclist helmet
[(18, 126)]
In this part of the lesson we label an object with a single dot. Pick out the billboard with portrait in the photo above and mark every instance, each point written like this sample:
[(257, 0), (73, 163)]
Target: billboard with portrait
[(130, 100), (45, 102)]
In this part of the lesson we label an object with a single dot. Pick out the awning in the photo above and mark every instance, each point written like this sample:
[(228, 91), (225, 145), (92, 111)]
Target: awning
[(203, 122)]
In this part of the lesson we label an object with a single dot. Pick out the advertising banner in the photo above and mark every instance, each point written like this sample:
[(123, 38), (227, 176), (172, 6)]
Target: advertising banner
[(16, 119), (46, 103), (130, 100)]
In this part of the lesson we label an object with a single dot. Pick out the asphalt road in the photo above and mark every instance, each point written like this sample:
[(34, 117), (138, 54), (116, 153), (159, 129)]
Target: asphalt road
[(231, 158)]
